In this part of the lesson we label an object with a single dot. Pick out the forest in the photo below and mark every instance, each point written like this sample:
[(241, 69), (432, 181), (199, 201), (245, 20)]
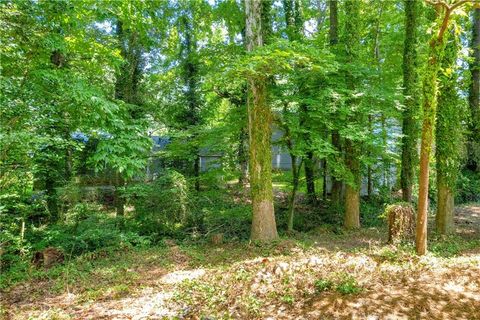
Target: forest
[(240, 159)]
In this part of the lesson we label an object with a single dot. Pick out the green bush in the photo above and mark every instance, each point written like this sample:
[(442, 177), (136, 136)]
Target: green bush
[(348, 285), (16, 211), (468, 187), (341, 282), (97, 231), (214, 211), (160, 205), (323, 285)]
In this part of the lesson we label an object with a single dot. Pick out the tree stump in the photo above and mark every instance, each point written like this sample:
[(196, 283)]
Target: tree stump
[(401, 222)]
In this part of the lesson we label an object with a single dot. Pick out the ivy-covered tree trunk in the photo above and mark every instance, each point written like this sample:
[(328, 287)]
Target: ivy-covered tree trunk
[(448, 138), (352, 148), (429, 89), (190, 78), (337, 185), (473, 161), (126, 89), (259, 126), (411, 101), (429, 109), (52, 172)]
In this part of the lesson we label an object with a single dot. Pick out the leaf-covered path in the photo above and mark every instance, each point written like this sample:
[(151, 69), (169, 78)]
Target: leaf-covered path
[(321, 275)]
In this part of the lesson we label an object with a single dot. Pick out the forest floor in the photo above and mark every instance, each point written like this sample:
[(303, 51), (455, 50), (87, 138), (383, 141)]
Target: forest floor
[(319, 275)]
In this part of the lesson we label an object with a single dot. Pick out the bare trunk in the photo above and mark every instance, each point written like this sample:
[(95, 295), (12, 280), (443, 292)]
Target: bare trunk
[(421, 226), (352, 189), (352, 207), (291, 202), (352, 148)]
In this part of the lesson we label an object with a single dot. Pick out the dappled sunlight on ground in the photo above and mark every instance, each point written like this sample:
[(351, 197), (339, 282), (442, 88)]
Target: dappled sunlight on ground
[(353, 275)]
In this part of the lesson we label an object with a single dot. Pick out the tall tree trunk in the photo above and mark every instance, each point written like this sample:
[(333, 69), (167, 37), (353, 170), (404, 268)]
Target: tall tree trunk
[(294, 22), (445, 207), (190, 78), (410, 91), (429, 89), (473, 161), (352, 188), (295, 182), (126, 89), (333, 31), (259, 125), (352, 148), (337, 185), (448, 139), (369, 167)]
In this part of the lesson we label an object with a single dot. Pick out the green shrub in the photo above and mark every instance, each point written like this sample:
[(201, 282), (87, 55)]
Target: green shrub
[(97, 231), (348, 285), (468, 187), (215, 211), (370, 212), (161, 204), (341, 282), (323, 285)]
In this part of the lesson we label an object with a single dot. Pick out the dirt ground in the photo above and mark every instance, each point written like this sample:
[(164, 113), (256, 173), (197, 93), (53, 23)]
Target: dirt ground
[(349, 276)]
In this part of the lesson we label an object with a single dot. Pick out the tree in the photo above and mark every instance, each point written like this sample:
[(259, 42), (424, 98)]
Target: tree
[(337, 184), (292, 21), (473, 161), (430, 91), (411, 100), (190, 79), (259, 129), (126, 89), (448, 136), (352, 148)]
